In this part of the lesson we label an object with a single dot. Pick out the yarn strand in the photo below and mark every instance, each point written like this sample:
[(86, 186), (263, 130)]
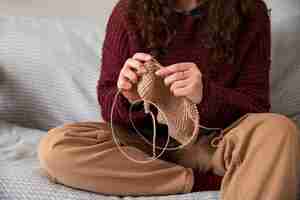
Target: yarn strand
[(154, 146), (154, 157)]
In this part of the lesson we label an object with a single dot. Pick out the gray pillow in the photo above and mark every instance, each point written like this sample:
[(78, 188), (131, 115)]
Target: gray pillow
[(285, 71), (48, 70), (283, 9)]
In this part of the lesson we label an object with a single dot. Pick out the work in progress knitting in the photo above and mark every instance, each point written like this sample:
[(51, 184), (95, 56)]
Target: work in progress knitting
[(178, 113)]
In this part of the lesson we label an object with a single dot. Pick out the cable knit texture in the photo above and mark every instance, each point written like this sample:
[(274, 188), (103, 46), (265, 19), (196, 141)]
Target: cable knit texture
[(230, 90)]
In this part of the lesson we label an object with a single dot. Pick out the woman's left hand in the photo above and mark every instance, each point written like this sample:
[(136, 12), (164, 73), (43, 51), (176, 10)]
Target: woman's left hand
[(184, 79)]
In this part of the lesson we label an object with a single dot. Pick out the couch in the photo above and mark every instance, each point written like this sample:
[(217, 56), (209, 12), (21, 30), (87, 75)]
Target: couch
[(49, 67)]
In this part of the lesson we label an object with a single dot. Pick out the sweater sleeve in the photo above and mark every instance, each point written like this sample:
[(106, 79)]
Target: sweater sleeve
[(115, 52), (250, 92)]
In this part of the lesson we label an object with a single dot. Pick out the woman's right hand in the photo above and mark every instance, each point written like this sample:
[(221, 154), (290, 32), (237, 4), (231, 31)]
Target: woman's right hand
[(129, 76)]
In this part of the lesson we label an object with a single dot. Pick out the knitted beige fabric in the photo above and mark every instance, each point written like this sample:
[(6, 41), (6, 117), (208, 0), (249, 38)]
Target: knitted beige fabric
[(182, 115)]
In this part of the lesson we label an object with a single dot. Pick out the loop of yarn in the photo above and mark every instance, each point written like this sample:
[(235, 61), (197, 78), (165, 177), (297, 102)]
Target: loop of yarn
[(147, 90), (154, 157), (165, 148)]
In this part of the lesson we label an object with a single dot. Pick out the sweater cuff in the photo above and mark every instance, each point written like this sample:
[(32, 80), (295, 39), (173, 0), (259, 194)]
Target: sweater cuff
[(137, 113), (204, 105)]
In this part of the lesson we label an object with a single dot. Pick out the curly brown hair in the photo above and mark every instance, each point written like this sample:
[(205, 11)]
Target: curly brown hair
[(224, 20)]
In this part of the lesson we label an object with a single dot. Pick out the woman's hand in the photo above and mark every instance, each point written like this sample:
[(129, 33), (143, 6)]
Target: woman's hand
[(184, 79), (129, 75)]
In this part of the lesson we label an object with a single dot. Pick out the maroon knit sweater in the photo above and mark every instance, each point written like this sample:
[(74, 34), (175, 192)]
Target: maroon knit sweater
[(230, 90)]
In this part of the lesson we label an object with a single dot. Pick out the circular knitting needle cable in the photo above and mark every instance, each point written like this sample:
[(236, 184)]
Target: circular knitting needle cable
[(165, 148), (154, 157)]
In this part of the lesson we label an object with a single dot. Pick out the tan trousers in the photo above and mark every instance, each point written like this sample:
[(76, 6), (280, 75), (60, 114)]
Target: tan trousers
[(258, 157)]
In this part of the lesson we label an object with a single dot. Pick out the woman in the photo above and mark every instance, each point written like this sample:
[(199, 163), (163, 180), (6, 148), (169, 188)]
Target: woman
[(217, 54)]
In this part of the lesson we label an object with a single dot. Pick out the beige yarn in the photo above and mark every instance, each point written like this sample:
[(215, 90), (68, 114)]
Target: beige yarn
[(182, 115)]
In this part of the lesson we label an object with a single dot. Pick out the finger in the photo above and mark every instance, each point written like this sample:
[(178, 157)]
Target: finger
[(124, 84), (142, 57), (166, 71), (175, 77), (131, 75), (135, 65), (179, 84), (181, 92)]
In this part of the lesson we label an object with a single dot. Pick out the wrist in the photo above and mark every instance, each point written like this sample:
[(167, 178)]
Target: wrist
[(137, 106)]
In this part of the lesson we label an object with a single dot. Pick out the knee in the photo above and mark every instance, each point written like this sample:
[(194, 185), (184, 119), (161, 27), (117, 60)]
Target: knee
[(45, 153), (281, 123), (52, 157), (279, 127)]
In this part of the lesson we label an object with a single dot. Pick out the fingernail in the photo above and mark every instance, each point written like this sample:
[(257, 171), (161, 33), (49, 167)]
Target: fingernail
[(158, 72)]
